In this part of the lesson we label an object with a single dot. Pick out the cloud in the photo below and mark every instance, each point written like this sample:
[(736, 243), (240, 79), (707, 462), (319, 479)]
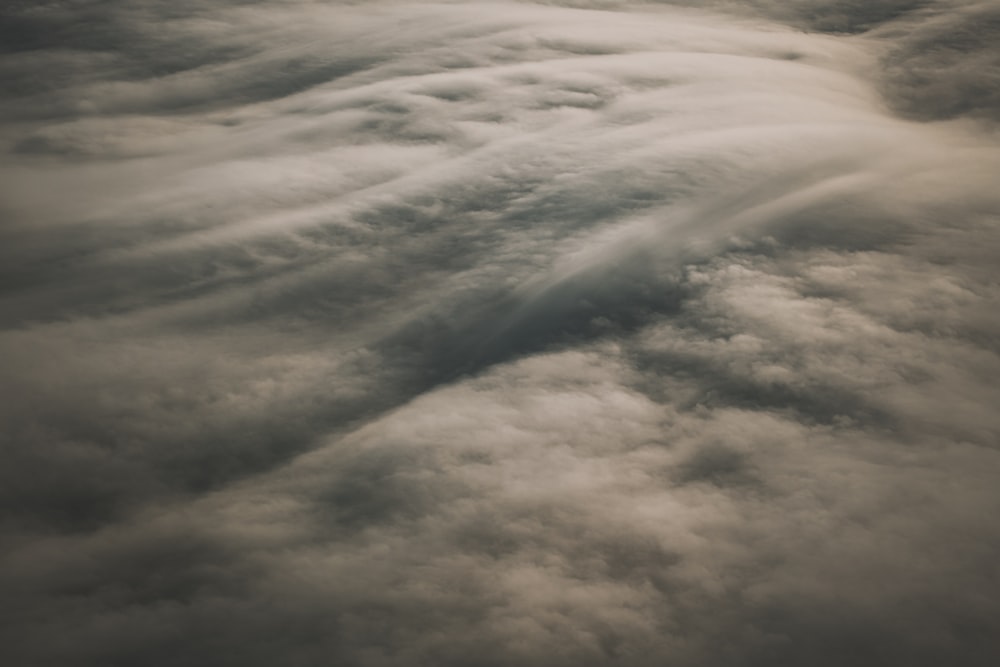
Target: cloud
[(945, 66), (499, 333)]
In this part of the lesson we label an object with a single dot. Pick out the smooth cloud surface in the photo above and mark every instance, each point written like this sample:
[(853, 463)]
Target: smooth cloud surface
[(588, 333)]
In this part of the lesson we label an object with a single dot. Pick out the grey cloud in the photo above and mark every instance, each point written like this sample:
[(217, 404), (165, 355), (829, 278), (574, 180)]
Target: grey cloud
[(498, 333), (949, 64), (478, 516), (829, 16)]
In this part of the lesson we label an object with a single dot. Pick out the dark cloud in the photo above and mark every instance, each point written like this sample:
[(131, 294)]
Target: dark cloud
[(831, 16), (948, 64), (578, 333)]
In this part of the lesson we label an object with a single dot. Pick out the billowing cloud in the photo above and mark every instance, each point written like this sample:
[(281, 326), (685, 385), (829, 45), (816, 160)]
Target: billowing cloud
[(583, 333)]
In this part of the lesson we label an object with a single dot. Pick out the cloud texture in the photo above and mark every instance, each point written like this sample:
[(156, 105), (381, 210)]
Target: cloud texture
[(480, 334)]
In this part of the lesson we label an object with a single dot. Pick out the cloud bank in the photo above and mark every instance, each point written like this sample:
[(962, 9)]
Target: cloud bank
[(475, 334)]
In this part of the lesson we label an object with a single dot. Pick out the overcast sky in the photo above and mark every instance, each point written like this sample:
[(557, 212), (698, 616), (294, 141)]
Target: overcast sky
[(499, 334)]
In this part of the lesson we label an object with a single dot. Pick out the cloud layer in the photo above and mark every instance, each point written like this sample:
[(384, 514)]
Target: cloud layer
[(587, 333)]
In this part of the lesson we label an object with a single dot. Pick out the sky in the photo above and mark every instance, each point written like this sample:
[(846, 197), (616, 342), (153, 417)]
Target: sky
[(578, 333)]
